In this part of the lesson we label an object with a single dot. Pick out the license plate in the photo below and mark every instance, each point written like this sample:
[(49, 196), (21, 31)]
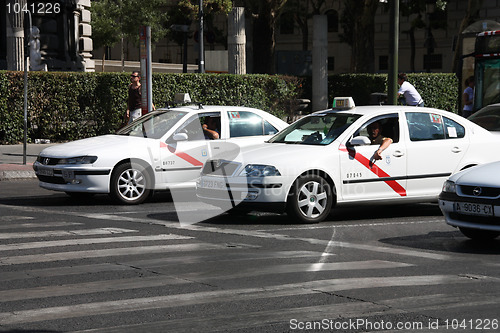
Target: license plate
[(213, 184), (68, 174), (45, 171), (473, 209)]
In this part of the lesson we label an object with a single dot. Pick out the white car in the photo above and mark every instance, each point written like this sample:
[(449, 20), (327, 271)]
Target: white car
[(488, 118), (326, 158), (163, 149), (470, 201)]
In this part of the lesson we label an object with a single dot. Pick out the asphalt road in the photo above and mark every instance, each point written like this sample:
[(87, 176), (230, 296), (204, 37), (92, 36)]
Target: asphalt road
[(92, 266)]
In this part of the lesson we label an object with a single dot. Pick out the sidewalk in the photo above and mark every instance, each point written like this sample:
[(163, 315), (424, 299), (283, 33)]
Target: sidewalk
[(11, 161)]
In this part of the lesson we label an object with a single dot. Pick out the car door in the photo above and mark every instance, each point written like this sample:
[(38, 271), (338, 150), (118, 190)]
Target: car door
[(362, 177), (435, 148), (184, 153)]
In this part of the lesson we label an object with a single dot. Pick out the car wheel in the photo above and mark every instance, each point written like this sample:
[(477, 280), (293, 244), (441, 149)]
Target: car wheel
[(311, 199), (130, 184), (478, 234)]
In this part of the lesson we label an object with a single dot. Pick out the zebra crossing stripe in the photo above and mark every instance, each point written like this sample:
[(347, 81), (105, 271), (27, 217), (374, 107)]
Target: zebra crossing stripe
[(231, 295)]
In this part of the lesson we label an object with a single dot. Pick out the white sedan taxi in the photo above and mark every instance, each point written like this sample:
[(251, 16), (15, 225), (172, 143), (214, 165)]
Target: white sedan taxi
[(470, 201), (327, 159), (164, 149)]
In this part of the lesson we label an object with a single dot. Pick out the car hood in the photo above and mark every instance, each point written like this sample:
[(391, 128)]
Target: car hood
[(283, 155), (482, 175), (98, 145)]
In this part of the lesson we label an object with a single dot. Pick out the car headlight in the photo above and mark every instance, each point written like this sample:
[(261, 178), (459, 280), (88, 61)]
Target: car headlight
[(260, 170), (449, 186), (78, 160)]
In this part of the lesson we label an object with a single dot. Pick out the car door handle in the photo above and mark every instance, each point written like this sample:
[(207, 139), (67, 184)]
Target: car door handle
[(456, 149), (398, 153)]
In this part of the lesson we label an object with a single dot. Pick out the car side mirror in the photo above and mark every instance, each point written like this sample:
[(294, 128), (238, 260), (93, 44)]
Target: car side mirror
[(359, 141), (180, 137)]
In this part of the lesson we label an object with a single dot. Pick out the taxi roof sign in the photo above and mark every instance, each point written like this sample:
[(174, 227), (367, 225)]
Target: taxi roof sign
[(343, 103)]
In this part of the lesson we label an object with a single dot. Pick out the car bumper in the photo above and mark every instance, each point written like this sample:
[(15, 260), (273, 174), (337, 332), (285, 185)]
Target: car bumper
[(268, 194), (447, 204), (73, 179)]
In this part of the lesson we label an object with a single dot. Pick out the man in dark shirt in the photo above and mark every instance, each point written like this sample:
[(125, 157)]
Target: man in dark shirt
[(376, 137)]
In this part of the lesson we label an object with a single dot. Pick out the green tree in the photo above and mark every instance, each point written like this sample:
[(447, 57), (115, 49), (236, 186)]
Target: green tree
[(358, 23), (265, 15), (116, 20)]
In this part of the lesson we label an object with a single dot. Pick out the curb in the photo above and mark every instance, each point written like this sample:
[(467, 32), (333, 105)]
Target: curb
[(16, 171), (14, 175)]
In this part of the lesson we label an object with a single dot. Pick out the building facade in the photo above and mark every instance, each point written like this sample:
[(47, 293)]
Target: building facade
[(61, 35)]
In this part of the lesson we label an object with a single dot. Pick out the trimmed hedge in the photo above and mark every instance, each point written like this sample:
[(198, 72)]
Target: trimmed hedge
[(437, 90), (68, 106)]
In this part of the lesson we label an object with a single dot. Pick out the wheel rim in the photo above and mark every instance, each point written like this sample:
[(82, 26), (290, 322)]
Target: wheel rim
[(131, 184), (312, 199)]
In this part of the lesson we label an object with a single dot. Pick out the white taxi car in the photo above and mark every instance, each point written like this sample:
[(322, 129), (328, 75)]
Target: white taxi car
[(326, 159), (470, 201), (164, 149)]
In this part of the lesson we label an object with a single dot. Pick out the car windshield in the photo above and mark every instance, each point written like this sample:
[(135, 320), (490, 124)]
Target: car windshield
[(154, 125), (317, 129), (488, 118)]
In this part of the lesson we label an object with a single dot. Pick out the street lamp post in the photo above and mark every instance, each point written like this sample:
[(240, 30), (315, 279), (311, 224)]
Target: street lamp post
[(393, 52), (201, 65)]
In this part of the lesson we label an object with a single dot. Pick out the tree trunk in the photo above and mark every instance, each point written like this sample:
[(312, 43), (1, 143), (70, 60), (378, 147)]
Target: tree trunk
[(363, 46)]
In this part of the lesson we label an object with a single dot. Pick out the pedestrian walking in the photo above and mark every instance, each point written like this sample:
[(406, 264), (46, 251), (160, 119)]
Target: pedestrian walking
[(408, 91), (468, 97)]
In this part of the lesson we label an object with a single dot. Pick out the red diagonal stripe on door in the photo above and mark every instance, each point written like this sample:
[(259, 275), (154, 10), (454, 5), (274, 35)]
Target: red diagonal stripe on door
[(186, 157), (375, 169)]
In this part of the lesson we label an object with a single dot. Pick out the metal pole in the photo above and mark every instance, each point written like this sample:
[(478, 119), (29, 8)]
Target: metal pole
[(393, 52), (26, 67), (201, 65)]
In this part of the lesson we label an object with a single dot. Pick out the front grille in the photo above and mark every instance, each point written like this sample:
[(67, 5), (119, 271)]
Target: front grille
[(220, 168), (485, 192), (51, 180), (47, 160), (476, 219)]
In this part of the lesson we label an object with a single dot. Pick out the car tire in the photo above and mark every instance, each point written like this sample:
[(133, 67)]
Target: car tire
[(311, 199), (478, 234), (130, 184)]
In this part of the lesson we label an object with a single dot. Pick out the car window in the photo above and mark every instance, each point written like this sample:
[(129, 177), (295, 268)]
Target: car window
[(425, 126), (488, 118), (316, 129), (389, 126), (154, 125), (193, 126), (245, 123), (453, 129)]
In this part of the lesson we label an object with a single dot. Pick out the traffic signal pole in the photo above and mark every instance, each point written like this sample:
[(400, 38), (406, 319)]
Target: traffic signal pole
[(392, 84)]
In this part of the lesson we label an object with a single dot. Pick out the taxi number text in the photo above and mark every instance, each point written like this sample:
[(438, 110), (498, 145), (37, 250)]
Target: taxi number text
[(473, 209)]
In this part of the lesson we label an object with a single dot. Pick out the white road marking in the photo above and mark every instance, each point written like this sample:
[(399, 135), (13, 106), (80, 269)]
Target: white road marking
[(89, 241), (91, 254), (231, 295), (35, 225), (62, 233)]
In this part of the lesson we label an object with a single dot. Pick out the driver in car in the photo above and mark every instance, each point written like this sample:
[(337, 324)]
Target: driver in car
[(210, 128), (376, 137)]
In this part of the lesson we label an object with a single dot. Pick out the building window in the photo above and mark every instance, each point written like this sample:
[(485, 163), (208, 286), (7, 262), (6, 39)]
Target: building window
[(383, 63), (433, 61), (286, 24), (331, 63), (333, 20)]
